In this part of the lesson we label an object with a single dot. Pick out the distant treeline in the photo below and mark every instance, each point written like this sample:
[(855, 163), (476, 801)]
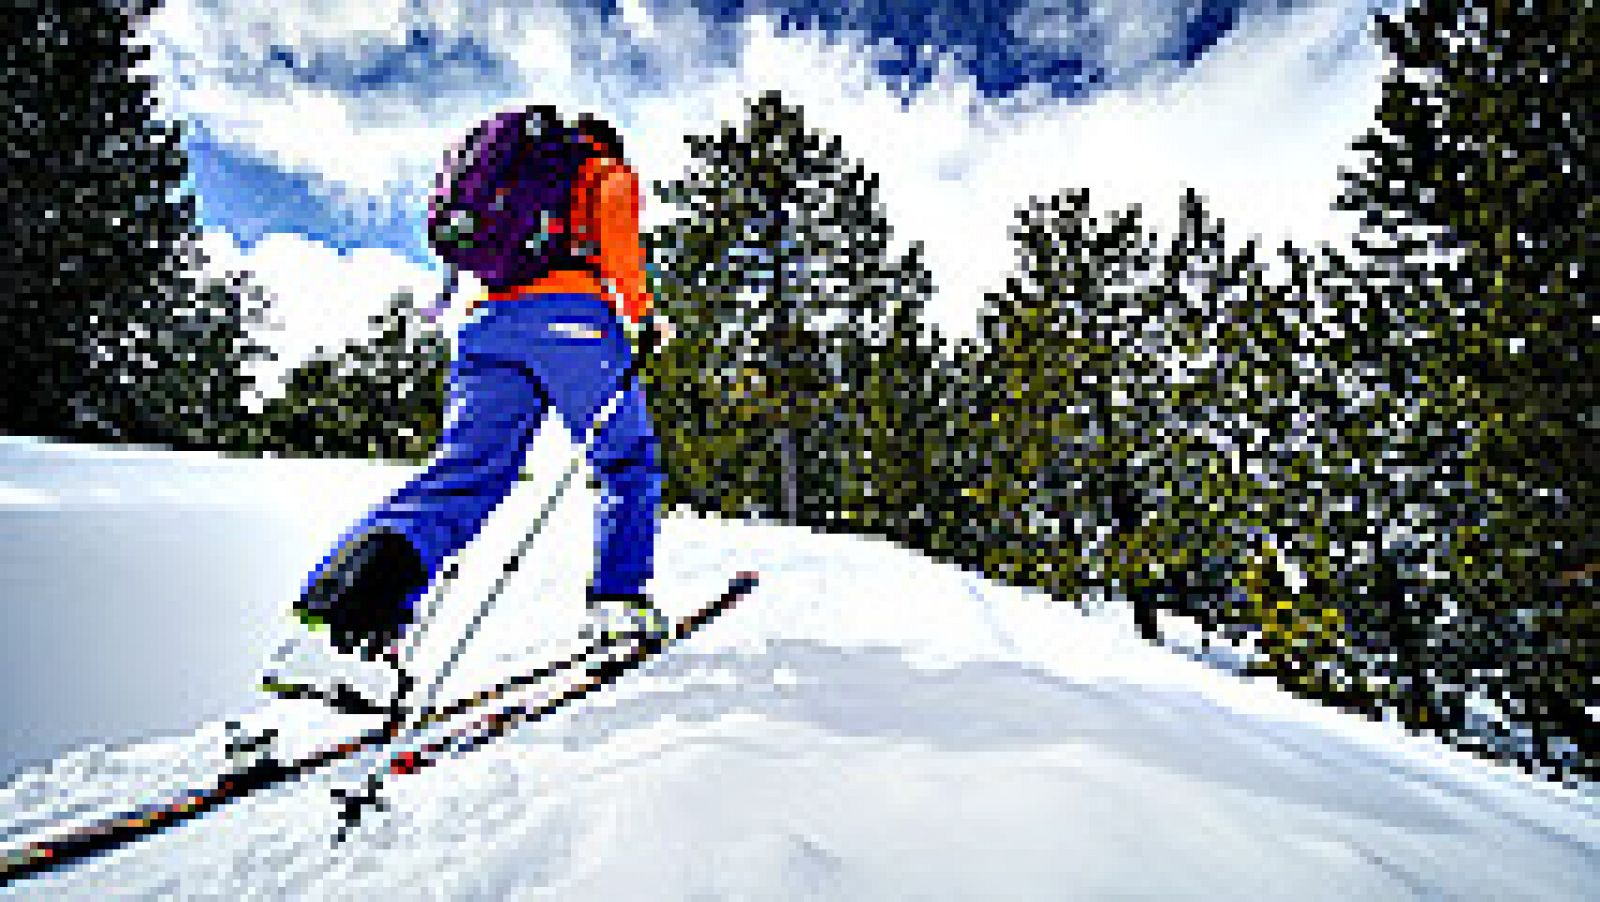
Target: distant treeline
[(1377, 468)]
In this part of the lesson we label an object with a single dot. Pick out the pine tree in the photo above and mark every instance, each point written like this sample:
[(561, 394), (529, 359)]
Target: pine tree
[(1479, 197), (890, 416), (777, 270), (1064, 401), (99, 239), (956, 458), (196, 396), (378, 397), (689, 382), (1289, 396), (1194, 484), (1154, 424)]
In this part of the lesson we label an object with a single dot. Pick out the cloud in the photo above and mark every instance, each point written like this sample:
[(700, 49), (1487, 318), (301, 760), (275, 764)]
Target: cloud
[(1259, 124), (320, 296), (1117, 38), (302, 84)]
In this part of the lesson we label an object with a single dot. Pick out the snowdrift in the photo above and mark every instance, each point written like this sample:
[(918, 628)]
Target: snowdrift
[(867, 725)]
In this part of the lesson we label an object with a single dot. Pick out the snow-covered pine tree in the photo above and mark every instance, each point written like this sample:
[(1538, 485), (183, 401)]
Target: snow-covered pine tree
[(890, 419), (1479, 197), (98, 301), (780, 268), (1282, 486), (195, 378), (1149, 422), (380, 396), (1063, 366), (956, 459)]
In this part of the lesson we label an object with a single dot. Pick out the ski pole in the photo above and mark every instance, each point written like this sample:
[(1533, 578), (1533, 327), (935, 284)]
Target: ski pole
[(435, 598)]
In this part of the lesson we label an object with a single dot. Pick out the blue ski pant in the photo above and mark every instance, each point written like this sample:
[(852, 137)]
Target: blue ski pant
[(516, 361)]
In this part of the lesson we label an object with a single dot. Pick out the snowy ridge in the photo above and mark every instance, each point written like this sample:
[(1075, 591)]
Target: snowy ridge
[(867, 725), (41, 474)]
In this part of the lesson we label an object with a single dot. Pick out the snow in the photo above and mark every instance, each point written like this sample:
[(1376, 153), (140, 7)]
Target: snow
[(868, 724)]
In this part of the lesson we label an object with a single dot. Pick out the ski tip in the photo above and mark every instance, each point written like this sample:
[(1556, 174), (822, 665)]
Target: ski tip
[(746, 578)]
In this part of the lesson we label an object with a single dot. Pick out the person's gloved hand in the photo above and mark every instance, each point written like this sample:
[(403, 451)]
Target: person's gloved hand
[(665, 331), (652, 333)]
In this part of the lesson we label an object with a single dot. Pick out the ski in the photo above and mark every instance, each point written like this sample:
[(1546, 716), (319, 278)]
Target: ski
[(421, 753), (109, 833), (493, 724)]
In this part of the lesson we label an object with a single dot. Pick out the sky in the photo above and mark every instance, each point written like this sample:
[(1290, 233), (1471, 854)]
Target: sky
[(314, 127)]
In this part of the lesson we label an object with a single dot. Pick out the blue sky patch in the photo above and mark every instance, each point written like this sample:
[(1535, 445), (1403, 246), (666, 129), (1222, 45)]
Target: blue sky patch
[(252, 198)]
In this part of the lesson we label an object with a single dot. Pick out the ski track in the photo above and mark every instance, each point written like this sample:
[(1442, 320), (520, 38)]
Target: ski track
[(866, 725)]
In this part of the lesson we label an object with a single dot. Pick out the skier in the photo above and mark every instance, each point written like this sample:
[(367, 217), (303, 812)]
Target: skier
[(546, 215)]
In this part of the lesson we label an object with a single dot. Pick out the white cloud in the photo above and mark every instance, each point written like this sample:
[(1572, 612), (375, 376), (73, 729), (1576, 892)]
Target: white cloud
[(209, 60), (1119, 37), (637, 17), (320, 297), (1260, 125)]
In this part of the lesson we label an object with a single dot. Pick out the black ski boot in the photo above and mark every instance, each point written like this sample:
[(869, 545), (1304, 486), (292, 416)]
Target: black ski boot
[(360, 600), (361, 596)]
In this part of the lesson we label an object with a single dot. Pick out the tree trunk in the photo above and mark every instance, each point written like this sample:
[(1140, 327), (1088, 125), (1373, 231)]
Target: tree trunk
[(791, 477)]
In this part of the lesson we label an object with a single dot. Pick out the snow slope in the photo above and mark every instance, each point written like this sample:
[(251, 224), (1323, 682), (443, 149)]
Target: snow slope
[(867, 725)]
